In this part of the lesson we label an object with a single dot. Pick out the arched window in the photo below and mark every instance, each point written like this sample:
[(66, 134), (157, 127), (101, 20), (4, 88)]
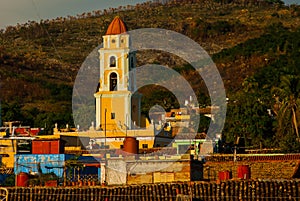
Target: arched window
[(113, 82), (112, 61)]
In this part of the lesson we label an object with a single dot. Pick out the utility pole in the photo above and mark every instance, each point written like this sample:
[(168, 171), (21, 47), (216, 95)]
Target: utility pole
[(105, 173)]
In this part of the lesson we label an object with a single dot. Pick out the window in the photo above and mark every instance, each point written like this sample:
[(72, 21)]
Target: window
[(113, 82), (112, 61), (145, 146), (113, 40), (121, 146), (131, 62), (113, 115)]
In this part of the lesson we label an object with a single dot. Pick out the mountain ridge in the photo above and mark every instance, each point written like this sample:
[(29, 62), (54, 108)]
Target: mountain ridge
[(39, 61)]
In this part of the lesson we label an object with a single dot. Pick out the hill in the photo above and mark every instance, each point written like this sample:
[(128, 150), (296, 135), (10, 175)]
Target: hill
[(246, 39)]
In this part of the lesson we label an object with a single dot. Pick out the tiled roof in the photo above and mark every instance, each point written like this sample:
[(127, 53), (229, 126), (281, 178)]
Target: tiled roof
[(117, 26)]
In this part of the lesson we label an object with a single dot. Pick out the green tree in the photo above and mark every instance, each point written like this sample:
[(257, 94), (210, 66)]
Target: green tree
[(11, 111), (287, 96), (247, 116)]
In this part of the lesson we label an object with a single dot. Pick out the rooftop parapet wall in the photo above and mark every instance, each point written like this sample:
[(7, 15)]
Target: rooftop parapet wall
[(251, 157), (120, 172), (280, 169), (110, 133)]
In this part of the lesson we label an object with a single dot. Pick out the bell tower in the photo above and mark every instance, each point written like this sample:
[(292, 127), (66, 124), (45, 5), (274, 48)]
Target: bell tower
[(116, 107)]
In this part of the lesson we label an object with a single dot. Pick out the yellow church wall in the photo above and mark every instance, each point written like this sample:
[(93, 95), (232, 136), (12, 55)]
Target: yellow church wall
[(113, 105), (112, 44), (119, 60), (107, 56), (115, 41), (125, 40)]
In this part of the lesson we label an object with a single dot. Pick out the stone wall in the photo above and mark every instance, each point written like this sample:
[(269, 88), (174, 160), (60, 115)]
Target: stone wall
[(121, 172), (258, 169)]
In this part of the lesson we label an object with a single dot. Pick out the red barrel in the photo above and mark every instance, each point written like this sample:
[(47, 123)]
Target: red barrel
[(243, 172), (131, 145), (22, 179), (225, 175)]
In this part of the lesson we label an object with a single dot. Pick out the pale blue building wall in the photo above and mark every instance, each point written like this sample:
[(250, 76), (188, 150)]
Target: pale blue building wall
[(49, 163)]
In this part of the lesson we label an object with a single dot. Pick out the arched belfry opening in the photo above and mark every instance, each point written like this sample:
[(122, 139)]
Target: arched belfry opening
[(112, 61), (113, 82)]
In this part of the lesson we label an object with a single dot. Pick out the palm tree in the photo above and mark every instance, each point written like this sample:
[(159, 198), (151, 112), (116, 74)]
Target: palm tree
[(288, 101)]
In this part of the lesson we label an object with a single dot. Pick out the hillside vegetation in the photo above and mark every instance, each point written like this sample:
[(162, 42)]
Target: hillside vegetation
[(253, 43)]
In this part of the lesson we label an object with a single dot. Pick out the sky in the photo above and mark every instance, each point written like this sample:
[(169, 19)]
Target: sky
[(21, 11)]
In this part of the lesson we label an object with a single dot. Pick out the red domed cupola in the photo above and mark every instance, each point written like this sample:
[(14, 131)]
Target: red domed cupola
[(117, 26)]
